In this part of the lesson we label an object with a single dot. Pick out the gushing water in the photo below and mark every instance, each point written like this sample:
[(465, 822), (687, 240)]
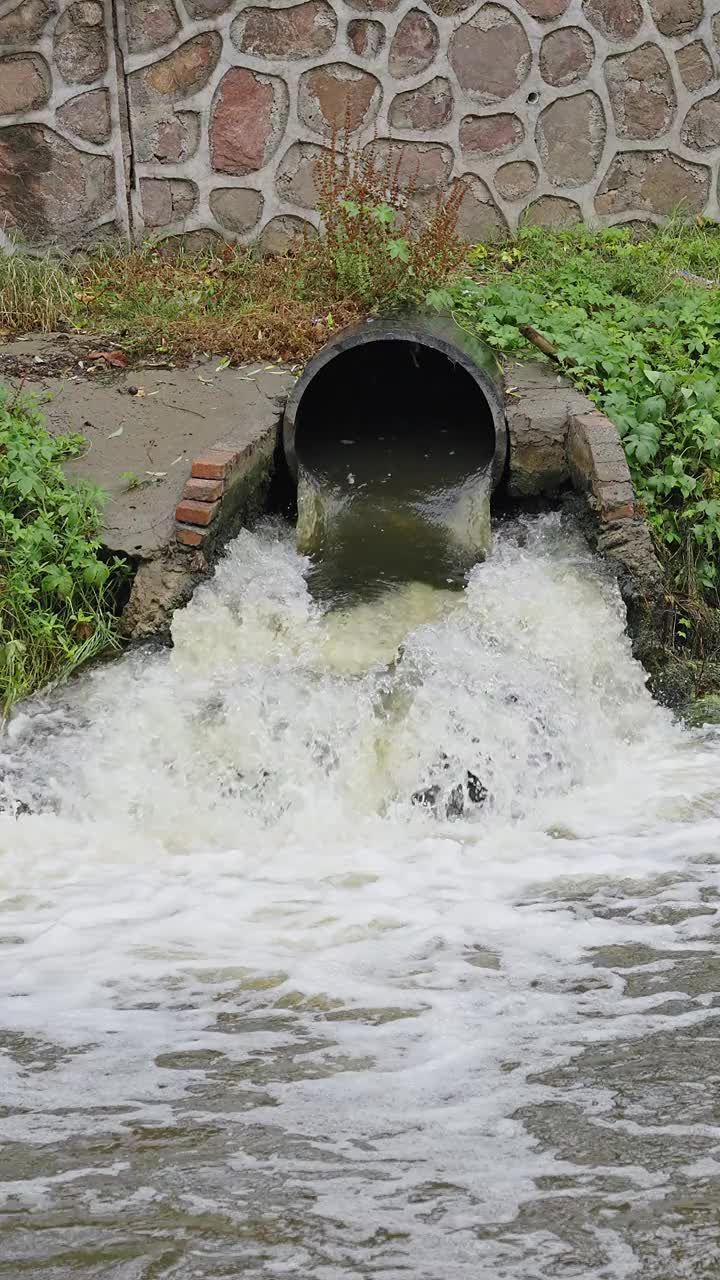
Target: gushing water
[(409, 503), (265, 1014)]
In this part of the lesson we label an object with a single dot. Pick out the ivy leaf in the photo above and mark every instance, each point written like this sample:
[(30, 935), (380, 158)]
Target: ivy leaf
[(652, 409), (384, 215), (57, 580), (96, 573), (399, 250), (643, 441), (439, 300)]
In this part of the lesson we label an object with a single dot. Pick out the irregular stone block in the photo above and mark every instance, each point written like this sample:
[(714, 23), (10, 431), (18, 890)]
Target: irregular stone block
[(490, 135), (296, 179), (545, 10), (87, 116), (425, 166), (161, 586), (79, 48), (570, 137), (374, 6), (536, 433), (199, 240), (539, 406), (283, 234), (695, 65), (248, 120), (597, 465), (429, 107), (641, 90), (479, 217), (716, 31), (26, 22), (167, 200), (490, 54), (49, 189), (301, 31), (207, 8), (676, 17), (449, 8), (237, 209), (414, 45), (566, 56), (553, 211), (515, 180), (150, 24), (653, 181), (338, 97), (701, 127), (179, 75), (366, 38), (25, 83), (617, 19), (169, 139)]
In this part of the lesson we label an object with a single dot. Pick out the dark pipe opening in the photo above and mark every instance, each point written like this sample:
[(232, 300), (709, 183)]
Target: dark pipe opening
[(423, 407), (396, 435)]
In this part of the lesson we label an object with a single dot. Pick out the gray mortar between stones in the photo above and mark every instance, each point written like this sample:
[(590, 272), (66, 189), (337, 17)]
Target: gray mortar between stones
[(557, 194)]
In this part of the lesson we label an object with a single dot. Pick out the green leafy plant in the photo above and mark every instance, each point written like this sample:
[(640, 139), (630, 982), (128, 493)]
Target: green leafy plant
[(383, 244), (130, 480), (56, 591), (642, 340)]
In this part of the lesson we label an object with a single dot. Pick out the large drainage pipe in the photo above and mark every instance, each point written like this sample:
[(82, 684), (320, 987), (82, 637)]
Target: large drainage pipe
[(412, 368), (396, 436)]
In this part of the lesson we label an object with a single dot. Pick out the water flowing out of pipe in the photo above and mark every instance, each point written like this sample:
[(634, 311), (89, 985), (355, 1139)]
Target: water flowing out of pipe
[(283, 992)]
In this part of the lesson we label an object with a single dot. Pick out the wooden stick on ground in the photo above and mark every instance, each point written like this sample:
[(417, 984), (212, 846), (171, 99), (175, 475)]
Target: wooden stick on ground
[(545, 345), (542, 344)]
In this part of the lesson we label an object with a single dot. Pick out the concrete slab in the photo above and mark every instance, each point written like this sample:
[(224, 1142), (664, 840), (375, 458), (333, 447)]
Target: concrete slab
[(149, 422)]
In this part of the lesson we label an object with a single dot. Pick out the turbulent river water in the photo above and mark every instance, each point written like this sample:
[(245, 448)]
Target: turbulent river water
[(263, 1015)]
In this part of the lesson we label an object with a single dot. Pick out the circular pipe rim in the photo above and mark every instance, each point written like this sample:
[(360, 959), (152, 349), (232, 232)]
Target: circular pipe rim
[(428, 332)]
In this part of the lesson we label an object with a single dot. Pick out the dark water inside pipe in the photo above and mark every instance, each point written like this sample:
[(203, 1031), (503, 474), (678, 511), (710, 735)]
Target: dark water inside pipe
[(408, 501)]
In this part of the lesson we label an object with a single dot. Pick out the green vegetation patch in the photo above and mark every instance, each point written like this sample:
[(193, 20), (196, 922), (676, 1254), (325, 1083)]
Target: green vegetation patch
[(55, 590), (635, 330)]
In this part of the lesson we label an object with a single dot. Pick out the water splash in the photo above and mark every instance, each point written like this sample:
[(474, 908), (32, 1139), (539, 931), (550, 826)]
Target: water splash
[(367, 1036)]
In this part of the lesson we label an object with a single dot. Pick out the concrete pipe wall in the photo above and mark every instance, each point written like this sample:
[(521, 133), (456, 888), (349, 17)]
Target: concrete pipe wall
[(412, 368)]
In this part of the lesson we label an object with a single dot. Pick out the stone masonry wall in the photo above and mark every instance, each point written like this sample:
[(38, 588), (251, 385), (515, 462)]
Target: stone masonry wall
[(165, 117)]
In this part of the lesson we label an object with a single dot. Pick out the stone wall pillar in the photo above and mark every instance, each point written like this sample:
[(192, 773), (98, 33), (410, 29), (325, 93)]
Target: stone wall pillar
[(62, 166)]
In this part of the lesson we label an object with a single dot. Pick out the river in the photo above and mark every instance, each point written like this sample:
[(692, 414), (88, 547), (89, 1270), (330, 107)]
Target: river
[(282, 993)]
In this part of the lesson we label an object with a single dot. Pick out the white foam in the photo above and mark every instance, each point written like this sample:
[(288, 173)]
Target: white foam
[(233, 832)]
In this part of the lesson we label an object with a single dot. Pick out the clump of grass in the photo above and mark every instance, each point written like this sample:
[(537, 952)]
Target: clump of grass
[(35, 293), (55, 590), (228, 301)]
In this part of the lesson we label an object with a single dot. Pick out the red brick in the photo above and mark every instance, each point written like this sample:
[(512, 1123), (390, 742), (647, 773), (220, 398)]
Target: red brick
[(216, 464), (190, 512), (190, 536), (203, 490)]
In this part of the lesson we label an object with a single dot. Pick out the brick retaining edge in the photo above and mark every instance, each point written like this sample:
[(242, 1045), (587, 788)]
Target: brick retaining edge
[(211, 475)]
